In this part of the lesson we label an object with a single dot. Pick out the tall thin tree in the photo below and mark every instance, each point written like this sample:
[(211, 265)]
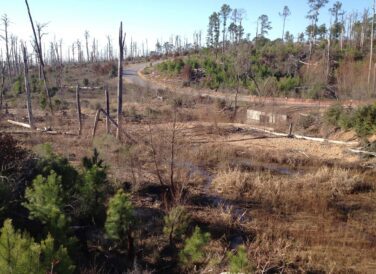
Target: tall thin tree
[(285, 13), (120, 79)]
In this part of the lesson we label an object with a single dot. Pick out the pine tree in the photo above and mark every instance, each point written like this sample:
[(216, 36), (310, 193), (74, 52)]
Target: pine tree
[(44, 200), (193, 251), (176, 223), (20, 254), (120, 218), (239, 262)]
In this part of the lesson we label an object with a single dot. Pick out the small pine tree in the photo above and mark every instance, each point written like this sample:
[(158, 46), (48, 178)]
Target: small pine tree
[(120, 218), (176, 223), (91, 192), (55, 260), (45, 203), (20, 254), (193, 251), (239, 262)]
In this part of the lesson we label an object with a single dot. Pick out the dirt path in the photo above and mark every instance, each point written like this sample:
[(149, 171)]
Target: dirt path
[(133, 74)]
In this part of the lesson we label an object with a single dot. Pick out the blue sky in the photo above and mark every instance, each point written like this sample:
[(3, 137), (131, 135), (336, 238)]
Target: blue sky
[(152, 19)]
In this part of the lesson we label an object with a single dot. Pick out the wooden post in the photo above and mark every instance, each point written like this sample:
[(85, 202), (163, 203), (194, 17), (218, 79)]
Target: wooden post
[(27, 88), (79, 117), (290, 131), (120, 80), (107, 109), (96, 119)]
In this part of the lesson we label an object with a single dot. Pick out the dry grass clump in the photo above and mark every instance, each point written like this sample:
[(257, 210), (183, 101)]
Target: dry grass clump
[(233, 180)]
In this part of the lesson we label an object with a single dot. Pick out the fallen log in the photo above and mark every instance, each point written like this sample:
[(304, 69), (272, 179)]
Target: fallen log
[(296, 136), (359, 151), (19, 124)]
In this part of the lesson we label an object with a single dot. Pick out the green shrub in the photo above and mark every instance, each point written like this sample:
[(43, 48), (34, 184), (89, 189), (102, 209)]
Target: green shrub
[(238, 262), (20, 254), (193, 252), (120, 218), (44, 200), (288, 83), (364, 120), (333, 114), (42, 101), (176, 223), (18, 86)]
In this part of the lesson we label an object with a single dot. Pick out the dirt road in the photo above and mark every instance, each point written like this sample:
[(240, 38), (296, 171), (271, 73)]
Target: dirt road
[(133, 74)]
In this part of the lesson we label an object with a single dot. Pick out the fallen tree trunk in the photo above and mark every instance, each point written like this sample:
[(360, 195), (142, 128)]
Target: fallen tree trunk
[(96, 120), (19, 124), (358, 151), (296, 136)]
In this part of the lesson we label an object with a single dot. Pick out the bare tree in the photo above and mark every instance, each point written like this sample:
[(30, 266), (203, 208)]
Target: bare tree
[(87, 45), (38, 46), (371, 47), (285, 13), (2, 84), (5, 21), (40, 29), (27, 87), (120, 79)]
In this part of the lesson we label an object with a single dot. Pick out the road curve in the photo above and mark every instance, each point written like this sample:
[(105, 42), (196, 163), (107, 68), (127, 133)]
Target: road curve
[(132, 74)]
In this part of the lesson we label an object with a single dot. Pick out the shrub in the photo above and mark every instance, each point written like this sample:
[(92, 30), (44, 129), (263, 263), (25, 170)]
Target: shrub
[(238, 262), (193, 251), (365, 120), (333, 114), (120, 218), (42, 101), (306, 121), (92, 190), (176, 223), (44, 200), (18, 86), (85, 82), (15, 167), (288, 83), (362, 120), (20, 254)]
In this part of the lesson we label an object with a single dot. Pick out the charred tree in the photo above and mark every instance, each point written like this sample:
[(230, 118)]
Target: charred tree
[(120, 79), (27, 88)]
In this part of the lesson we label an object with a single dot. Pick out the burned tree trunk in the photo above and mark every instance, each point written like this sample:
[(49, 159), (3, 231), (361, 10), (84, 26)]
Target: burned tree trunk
[(371, 49), (5, 20), (107, 109), (120, 80), (39, 51), (2, 85), (27, 88), (79, 117)]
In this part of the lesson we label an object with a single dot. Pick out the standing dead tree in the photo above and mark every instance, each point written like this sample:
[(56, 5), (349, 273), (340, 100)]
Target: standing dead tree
[(40, 33), (27, 87), (107, 109), (2, 85), (371, 48), (79, 117), (120, 79), (5, 21), (86, 34), (39, 51)]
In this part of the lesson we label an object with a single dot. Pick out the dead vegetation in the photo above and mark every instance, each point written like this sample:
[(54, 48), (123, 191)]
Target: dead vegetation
[(297, 206)]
